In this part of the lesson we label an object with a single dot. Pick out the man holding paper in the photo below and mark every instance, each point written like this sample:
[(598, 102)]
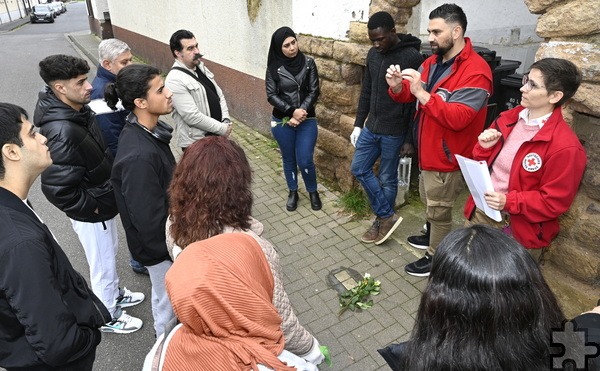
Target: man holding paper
[(536, 160)]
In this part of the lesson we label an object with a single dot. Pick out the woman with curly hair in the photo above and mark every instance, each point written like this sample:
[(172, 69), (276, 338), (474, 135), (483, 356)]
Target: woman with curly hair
[(211, 194)]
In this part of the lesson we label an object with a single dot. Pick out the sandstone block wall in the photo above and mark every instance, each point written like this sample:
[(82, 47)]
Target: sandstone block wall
[(572, 32), (340, 65)]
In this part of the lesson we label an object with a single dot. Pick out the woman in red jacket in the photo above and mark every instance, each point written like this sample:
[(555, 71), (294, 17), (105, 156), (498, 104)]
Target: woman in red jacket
[(535, 158)]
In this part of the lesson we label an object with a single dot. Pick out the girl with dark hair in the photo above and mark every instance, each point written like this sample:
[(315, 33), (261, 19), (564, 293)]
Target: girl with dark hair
[(210, 195), (141, 175), (486, 307), (292, 83)]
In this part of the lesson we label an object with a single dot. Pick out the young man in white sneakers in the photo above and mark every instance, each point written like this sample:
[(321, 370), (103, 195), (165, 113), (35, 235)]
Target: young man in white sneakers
[(78, 181), (49, 315)]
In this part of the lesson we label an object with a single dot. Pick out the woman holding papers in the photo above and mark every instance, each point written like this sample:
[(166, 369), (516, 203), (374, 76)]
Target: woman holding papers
[(536, 160)]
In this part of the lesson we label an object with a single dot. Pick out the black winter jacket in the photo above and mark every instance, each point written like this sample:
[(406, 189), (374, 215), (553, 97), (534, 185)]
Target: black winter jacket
[(292, 92), (78, 181), (382, 114), (141, 176), (49, 317)]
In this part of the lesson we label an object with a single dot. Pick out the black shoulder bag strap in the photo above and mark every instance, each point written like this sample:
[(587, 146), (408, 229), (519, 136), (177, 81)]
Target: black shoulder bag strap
[(211, 92)]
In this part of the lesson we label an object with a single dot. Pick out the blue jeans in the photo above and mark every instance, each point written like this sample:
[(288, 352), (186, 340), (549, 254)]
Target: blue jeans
[(135, 264), (382, 189), (297, 145)]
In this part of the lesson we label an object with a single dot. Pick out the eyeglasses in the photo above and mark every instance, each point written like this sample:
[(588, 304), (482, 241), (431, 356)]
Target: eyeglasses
[(529, 85)]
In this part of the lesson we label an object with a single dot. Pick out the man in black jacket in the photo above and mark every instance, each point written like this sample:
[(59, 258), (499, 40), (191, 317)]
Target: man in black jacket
[(113, 55), (78, 181), (386, 133), (49, 316), (141, 176)]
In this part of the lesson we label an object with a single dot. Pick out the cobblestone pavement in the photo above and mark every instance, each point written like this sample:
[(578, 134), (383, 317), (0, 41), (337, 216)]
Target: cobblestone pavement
[(314, 243)]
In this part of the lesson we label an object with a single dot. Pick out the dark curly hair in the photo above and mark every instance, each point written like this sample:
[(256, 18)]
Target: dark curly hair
[(62, 67), (486, 307), (211, 189), (381, 19)]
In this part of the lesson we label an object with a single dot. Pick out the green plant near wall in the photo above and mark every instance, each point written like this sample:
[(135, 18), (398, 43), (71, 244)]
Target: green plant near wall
[(355, 203)]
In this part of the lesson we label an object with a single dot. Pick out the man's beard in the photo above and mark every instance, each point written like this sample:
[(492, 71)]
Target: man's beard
[(442, 50)]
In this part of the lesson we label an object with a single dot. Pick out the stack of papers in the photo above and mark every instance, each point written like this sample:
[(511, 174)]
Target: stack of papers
[(478, 179)]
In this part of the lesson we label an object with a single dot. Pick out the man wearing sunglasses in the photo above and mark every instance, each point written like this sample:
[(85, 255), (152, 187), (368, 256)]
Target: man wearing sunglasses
[(536, 160)]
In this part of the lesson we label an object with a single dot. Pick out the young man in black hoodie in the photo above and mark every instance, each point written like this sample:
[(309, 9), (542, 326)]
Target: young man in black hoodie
[(78, 181), (385, 134)]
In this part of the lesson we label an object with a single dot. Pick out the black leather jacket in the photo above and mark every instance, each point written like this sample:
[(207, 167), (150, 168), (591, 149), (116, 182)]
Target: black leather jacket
[(292, 92), (78, 181)]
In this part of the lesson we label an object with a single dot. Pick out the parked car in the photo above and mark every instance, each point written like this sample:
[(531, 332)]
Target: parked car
[(42, 13), (57, 8)]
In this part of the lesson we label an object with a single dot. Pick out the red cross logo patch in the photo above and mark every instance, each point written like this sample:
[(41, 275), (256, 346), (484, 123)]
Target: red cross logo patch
[(532, 162)]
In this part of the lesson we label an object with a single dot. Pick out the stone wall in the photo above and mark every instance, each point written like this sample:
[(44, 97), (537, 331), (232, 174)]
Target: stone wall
[(340, 65), (574, 269)]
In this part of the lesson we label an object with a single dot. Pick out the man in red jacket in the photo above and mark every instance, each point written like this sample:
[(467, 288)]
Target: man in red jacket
[(451, 89), (536, 160)]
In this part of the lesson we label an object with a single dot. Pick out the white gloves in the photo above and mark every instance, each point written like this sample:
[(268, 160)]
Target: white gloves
[(354, 136), (314, 356)]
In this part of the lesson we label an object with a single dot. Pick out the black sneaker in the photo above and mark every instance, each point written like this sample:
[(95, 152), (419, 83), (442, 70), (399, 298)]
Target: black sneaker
[(419, 242), (421, 267)]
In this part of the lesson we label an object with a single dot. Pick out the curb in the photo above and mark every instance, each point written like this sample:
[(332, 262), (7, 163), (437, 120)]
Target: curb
[(72, 37)]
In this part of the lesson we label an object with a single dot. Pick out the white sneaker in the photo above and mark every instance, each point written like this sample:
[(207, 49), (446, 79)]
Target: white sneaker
[(129, 298), (124, 324)]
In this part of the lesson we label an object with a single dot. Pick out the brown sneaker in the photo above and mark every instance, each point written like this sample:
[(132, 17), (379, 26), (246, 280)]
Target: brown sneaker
[(387, 227), (372, 233)]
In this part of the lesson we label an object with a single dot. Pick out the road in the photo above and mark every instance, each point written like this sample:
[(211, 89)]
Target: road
[(20, 52)]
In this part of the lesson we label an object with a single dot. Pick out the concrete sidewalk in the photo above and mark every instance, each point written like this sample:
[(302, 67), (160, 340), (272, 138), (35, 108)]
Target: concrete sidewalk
[(312, 244), (9, 26)]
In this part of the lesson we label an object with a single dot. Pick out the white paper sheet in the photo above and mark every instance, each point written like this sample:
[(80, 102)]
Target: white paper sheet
[(477, 177)]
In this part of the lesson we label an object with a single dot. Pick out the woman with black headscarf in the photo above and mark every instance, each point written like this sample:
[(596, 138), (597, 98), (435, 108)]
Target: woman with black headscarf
[(292, 85)]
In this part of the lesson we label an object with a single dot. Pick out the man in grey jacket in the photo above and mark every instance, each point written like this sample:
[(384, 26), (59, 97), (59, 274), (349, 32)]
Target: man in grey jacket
[(200, 106)]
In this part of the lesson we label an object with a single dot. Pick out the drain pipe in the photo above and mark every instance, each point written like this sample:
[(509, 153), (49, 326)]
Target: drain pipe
[(7, 11)]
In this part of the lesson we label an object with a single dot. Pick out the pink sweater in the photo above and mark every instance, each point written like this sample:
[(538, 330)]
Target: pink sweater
[(524, 130)]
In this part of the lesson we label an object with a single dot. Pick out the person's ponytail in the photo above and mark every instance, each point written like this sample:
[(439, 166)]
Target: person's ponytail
[(111, 95)]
